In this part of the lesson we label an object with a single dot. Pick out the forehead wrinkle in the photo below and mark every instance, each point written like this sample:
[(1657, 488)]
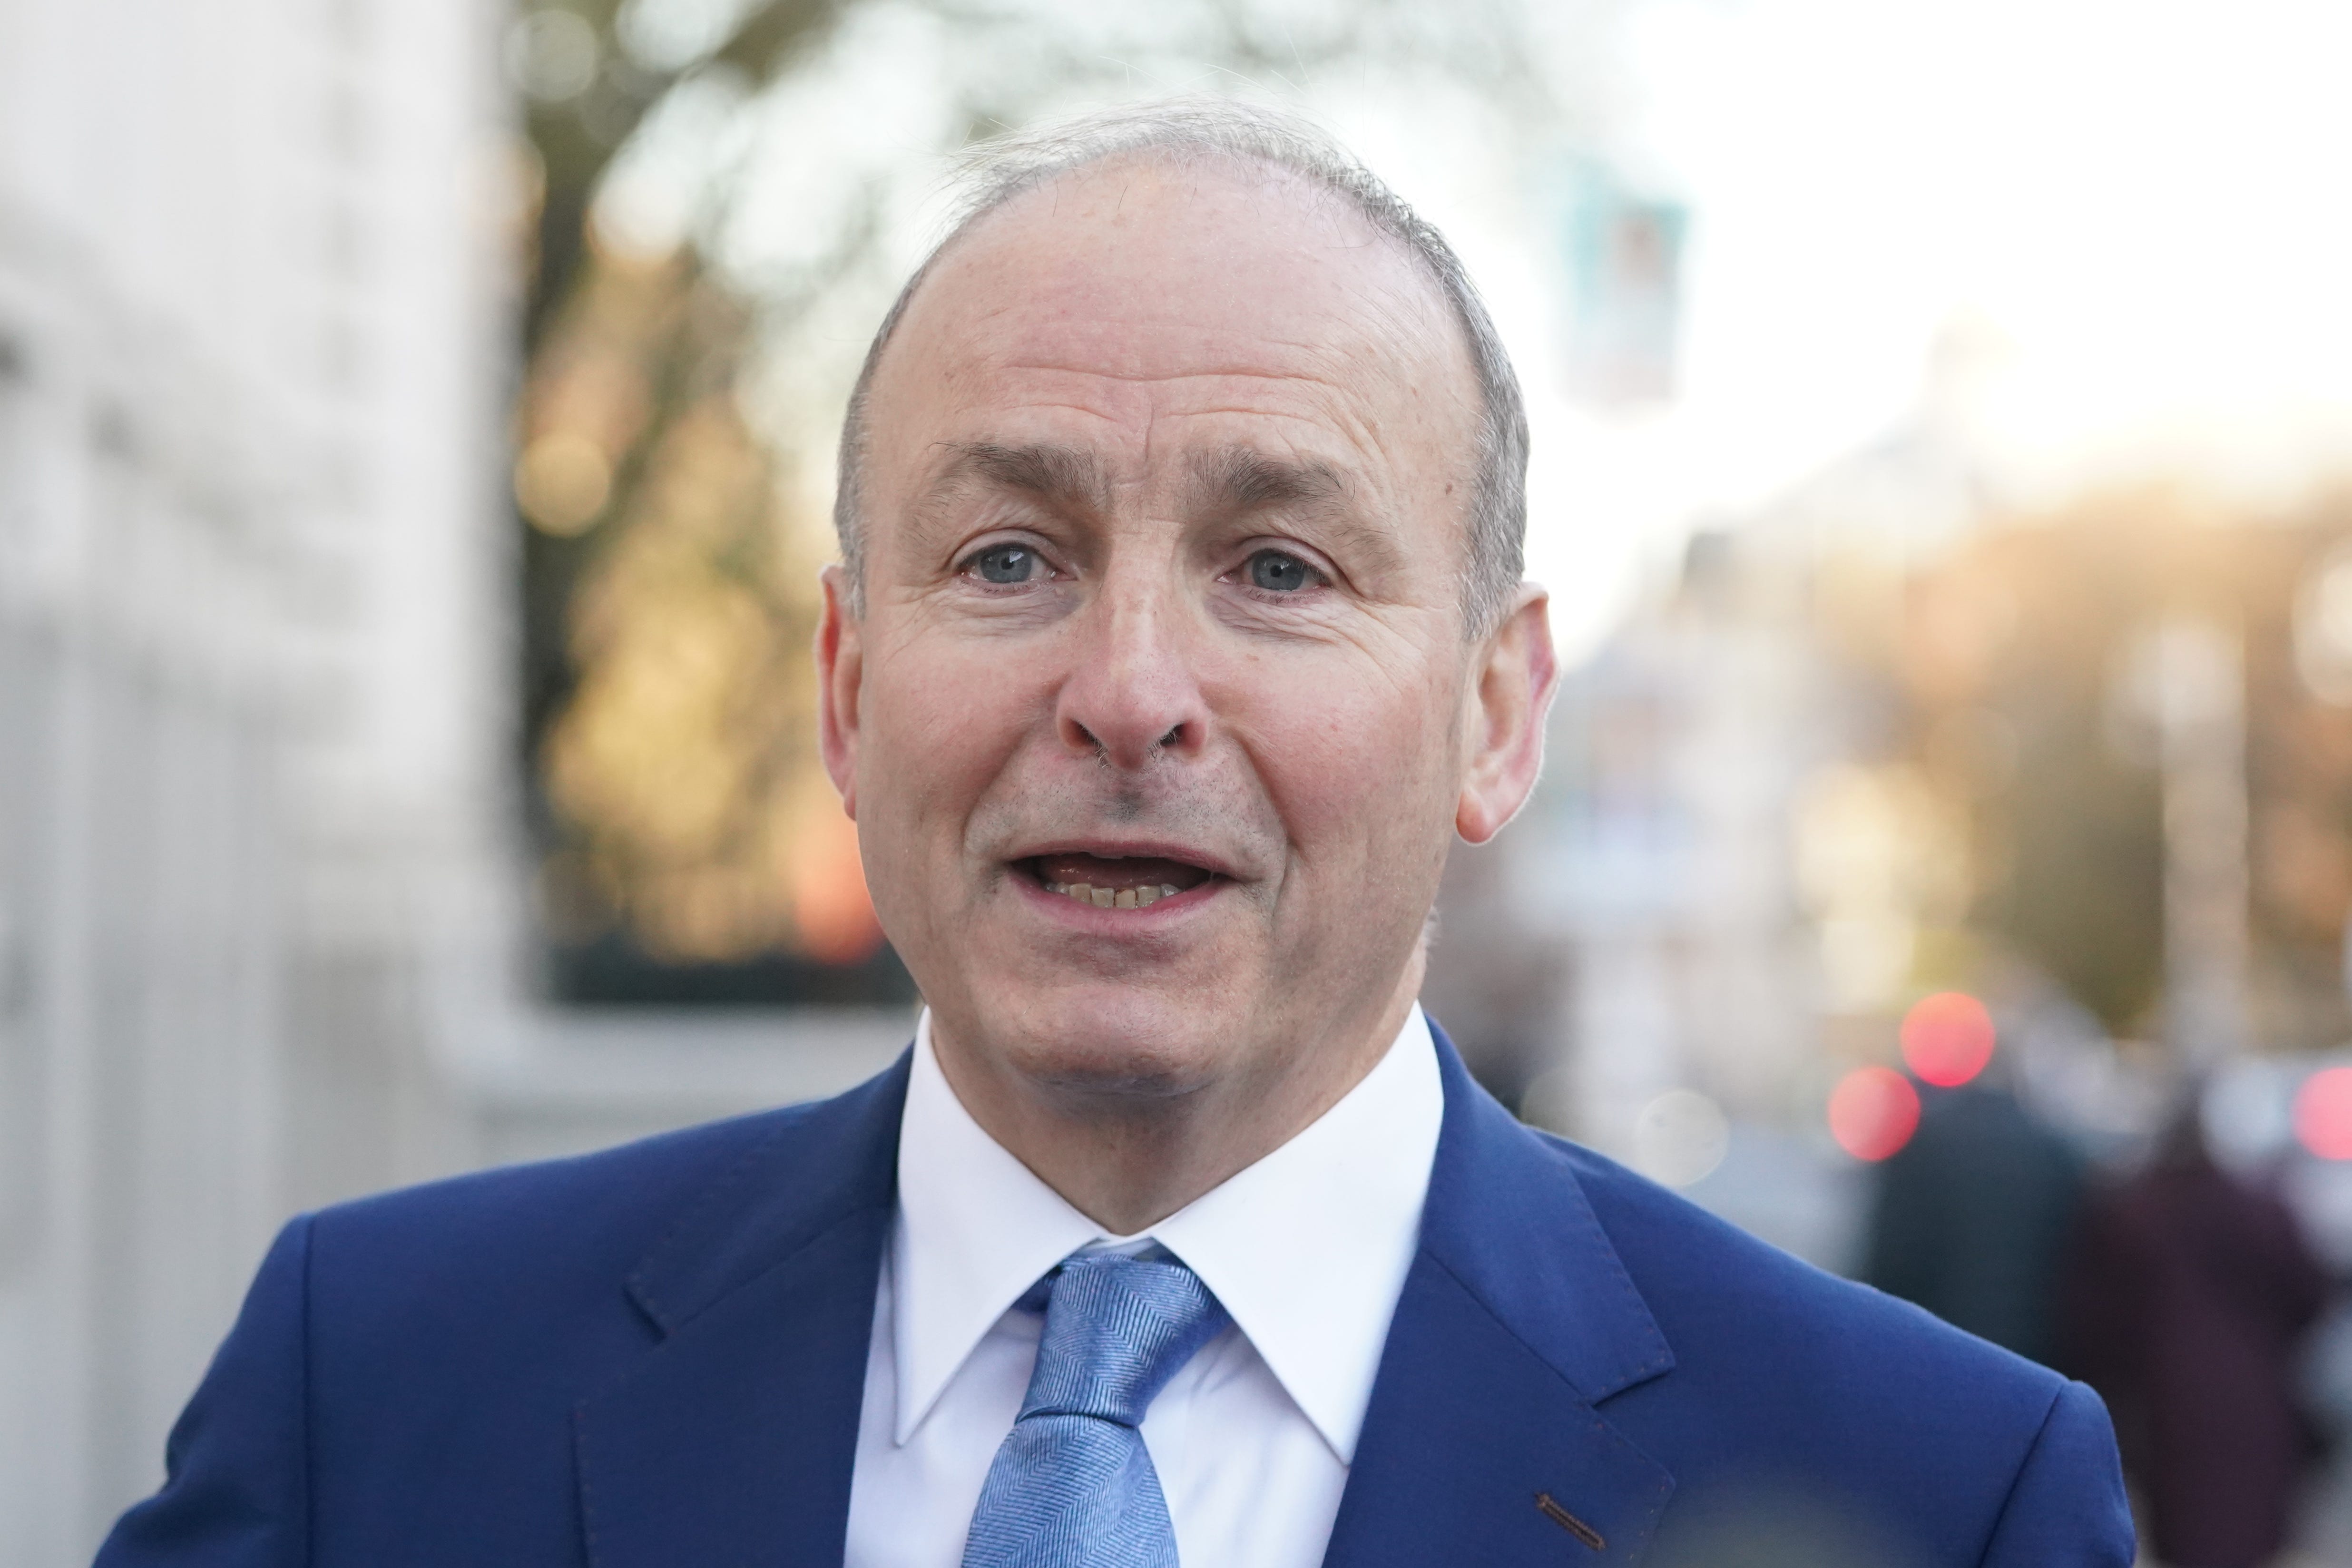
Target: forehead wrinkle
[(1190, 373)]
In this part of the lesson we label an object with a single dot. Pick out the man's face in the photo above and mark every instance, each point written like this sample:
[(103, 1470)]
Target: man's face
[(1157, 718)]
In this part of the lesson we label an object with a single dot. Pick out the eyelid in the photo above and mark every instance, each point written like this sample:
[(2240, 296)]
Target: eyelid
[(969, 561), (1325, 574)]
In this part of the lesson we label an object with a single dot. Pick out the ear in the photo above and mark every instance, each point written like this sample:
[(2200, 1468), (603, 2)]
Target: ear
[(840, 669), (1515, 676)]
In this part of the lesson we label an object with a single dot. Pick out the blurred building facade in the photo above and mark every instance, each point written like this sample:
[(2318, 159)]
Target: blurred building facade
[(246, 764), (259, 913), (1905, 730), (1911, 729), (1729, 860)]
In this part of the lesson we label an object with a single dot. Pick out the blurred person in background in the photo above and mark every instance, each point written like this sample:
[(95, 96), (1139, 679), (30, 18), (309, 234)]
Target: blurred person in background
[(1180, 631), (1971, 1217), (2186, 1301)]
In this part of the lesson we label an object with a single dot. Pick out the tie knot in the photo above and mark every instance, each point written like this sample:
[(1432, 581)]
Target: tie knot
[(1116, 1328)]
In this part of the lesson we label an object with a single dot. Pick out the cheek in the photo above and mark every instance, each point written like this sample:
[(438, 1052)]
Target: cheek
[(1357, 767), (940, 723)]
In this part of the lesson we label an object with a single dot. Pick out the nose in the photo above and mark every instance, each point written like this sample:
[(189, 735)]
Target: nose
[(1130, 696)]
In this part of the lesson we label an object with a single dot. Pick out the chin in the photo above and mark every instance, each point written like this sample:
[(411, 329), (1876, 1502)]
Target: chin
[(1115, 1042)]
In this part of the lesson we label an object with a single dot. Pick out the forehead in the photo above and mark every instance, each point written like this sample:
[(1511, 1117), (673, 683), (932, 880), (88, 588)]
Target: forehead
[(1152, 310)]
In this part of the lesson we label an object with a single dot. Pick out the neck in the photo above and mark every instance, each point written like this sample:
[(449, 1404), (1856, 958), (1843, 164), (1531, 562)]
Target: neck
[(1127, 1161)]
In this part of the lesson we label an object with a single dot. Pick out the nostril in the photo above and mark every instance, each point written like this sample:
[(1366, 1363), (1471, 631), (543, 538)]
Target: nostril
[(1121, 746)]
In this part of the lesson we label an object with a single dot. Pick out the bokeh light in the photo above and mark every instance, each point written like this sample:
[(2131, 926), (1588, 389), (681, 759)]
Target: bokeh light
[(1947, 1039), (1680, 1138), (2323, 1113), (1873, 1110)]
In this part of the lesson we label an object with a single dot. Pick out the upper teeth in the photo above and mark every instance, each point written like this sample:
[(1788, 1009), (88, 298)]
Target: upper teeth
[(1113, 898)]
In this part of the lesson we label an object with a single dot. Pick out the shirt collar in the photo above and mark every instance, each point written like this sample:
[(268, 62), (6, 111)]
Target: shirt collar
[(1308, 1249)]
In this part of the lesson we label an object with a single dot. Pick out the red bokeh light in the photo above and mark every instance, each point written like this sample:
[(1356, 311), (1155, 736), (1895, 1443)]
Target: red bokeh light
[(2323, 1113), (1947, 1039), (1874, 1111)]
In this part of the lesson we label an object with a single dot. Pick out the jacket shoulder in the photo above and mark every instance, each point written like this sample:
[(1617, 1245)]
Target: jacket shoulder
[(402, 1356), (1820, 1410), (615, 1199), (1736, 1308), (672, 1218)]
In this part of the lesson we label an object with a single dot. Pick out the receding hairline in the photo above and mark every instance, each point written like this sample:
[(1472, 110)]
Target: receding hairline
[(1239, 169), (1412, 288), (1269, 149)]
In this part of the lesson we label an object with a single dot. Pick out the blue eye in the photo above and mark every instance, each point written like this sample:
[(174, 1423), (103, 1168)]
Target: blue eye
[(1004, 563), (1278, 573)]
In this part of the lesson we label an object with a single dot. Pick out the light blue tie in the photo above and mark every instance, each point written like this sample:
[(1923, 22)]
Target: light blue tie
[(1072, 1486)]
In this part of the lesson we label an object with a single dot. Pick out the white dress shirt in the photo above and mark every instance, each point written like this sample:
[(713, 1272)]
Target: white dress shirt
[(1307, 1249)]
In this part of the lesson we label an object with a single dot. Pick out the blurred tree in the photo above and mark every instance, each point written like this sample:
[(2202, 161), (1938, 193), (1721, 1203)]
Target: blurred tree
[(2017, 655), (655, 609)]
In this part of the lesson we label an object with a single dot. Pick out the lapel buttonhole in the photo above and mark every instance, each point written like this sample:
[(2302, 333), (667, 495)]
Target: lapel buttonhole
[(1569, 1522)]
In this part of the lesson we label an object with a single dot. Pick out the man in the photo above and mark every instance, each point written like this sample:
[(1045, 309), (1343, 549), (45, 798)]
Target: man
[(1971, 1219), (1179, 628), (2188, 1301)]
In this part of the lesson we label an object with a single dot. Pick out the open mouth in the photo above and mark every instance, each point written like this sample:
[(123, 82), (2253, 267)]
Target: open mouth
[(1115, 881)]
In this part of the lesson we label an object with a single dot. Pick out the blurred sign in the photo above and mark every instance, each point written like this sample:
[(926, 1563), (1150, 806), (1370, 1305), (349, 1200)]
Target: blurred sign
[(1625, 259)]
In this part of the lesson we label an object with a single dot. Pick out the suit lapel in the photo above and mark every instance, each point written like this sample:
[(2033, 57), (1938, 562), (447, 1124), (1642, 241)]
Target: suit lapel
[(732, 1441), (1483, 1443)]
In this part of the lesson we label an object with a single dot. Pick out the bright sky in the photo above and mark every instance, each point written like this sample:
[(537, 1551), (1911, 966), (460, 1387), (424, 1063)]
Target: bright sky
[(2152, 202)]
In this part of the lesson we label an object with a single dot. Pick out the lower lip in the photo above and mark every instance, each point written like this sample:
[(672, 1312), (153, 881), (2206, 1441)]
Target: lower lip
[(1095, 918)]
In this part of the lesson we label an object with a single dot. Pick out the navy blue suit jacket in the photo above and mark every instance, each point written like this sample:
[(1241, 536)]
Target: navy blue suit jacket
[(655, 1357)]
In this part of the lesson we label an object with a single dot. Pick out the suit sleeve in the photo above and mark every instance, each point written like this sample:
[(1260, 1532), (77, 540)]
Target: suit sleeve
[(2067, 1507), (236, 1486)]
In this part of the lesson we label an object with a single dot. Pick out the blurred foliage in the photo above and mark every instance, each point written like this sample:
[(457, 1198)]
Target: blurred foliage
[(2013, 655), (681, 748), (665, 626), (670, 544)]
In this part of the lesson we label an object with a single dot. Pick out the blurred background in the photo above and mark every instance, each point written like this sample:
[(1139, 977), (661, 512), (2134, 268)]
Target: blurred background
[(415, 428)]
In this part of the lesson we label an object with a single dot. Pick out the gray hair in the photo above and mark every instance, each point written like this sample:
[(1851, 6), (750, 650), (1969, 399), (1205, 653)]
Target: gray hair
[(995, 172)]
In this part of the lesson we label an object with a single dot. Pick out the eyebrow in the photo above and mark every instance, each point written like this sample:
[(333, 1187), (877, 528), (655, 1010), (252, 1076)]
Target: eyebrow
[(1051, 473), (1236, 479), (1243, 479)]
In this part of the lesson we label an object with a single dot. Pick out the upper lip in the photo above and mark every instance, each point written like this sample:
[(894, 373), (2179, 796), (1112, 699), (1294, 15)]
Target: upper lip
[(1132, 849)]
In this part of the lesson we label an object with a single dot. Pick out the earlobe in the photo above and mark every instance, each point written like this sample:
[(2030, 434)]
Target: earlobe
[(1508, 706), (840, 666)]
